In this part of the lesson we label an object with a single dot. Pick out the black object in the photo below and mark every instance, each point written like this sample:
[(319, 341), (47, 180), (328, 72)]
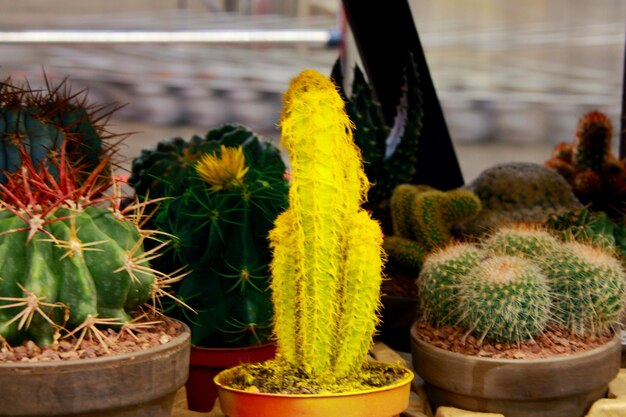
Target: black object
[(384, 33)]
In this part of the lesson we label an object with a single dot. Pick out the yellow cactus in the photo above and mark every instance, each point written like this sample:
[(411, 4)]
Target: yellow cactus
[(224, 171), (327, 265)]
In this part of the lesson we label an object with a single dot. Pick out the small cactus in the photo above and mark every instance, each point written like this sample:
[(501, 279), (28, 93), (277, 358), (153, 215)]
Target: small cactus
[(588, 285), (596, 176), (504, 299), (439, 281)]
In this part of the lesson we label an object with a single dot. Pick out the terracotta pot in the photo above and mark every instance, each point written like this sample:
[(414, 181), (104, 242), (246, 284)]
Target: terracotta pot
[(562, 386), (206, 363), (381, 402), (138, 384)]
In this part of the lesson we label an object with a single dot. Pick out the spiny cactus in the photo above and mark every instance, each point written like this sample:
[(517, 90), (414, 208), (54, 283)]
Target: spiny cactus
[(221, 222), (327, 265), (504, 299), (523, 240), (67, 262), (516, 192), (588, 285), (592, 227), (440, 279), (389, 152), (425, 216), (596, 175), (41, 120), (514, 283)]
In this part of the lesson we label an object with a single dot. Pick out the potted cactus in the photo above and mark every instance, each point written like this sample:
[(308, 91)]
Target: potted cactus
[(222, 194), (531, 319), (326, 275), (74, 270)]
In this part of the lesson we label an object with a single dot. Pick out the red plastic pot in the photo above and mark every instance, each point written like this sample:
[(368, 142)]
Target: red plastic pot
[(206, 363)]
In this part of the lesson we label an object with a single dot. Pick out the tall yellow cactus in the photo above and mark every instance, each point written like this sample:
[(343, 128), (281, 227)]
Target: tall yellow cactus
[(327, 264)]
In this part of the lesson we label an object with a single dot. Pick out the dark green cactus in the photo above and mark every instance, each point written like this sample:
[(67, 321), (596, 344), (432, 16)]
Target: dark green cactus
[(221, 221), (41, 120), (592, 227), (389, 152), (166, 169)]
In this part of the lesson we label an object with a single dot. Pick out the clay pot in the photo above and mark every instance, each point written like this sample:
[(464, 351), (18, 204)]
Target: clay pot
[(562, 386), (387, 401), (206, 363), (138, 384)]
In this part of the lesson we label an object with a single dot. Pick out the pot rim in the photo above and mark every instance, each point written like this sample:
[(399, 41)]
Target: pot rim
[(616, 340), (180, 339), (406, 379)]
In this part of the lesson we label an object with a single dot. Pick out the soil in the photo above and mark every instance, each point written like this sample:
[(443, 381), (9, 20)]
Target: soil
[(277, 377), (553, 342), (90, 347)]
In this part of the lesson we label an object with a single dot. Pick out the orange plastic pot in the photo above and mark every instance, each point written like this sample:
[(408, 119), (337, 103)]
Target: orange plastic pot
[(387, 401), (206, 363)]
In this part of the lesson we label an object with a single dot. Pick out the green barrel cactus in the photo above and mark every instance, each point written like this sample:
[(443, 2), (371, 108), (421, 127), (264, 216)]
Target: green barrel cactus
[(41, 120), (220, 222), (166, 169), (327, 257), (588, 285), (67, 263), (439, 281), (504, 299)]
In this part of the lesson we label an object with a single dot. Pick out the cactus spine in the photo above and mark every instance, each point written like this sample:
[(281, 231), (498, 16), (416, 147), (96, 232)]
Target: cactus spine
[(440, 279), (522, 240), (505, 299), (326, 271), (588, 285)]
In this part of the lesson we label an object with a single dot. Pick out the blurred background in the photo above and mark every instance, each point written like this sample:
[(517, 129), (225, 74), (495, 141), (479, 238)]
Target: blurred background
[(512, 77)]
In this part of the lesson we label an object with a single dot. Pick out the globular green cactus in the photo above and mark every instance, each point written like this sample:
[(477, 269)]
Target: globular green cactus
[(221, 221), (166, 169), (518, 281), (327, 263), (67, 262), (389, 152), (596, 175), (504, 299), (516, 192), (404, 253), (439, 281), (523, 240), (588, 285), (425, 216), (41, 120)]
